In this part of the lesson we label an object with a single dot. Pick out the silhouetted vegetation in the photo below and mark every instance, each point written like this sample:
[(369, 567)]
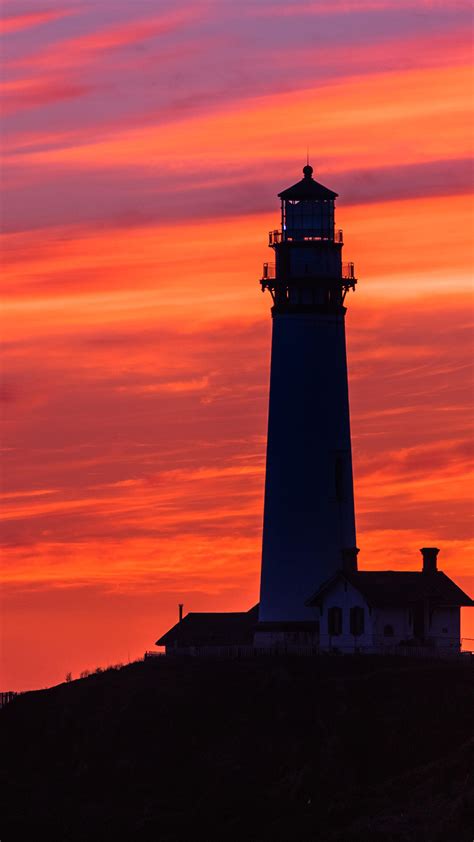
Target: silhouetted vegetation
[(278, 750)]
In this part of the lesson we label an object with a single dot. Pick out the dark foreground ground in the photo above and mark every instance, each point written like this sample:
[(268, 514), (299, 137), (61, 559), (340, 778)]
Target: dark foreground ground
[(292, 750)]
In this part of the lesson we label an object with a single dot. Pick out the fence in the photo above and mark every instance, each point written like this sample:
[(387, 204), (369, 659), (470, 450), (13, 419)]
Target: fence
[(250, 651), (275, 237), (355, 647), (243, 651), (7, 697), (269, 274)]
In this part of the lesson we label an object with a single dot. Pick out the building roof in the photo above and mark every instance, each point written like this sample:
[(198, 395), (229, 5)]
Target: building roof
[(393, 587), (212, 629), (307, 189)]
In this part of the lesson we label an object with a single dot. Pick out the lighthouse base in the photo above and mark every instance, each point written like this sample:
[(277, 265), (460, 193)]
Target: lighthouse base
[(286, 635)]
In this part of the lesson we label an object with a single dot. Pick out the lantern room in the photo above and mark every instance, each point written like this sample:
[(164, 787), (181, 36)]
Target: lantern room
[(307, 210)]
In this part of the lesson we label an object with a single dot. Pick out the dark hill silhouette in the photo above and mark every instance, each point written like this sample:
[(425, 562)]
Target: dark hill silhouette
[(263, 750)]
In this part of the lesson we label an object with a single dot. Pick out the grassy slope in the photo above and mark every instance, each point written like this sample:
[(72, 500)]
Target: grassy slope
[(253, 751)]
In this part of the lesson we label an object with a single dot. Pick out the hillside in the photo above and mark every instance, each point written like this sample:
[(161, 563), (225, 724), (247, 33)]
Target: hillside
[(277, 750)]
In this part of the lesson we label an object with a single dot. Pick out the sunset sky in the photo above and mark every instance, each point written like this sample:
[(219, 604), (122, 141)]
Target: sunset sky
[(144, 144)]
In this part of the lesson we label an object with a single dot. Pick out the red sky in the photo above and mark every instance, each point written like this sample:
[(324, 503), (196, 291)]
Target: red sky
[(144, 145)]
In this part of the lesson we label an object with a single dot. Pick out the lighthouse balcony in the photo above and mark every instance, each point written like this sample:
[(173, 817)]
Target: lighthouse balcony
[(276, 237), (269, 273)]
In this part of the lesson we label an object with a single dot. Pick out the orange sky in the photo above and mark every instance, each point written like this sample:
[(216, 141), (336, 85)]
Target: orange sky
[(143, 153)]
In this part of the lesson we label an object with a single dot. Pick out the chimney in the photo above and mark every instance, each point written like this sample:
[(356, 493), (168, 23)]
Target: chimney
[(180, 608), (429, 559), (349, 559)]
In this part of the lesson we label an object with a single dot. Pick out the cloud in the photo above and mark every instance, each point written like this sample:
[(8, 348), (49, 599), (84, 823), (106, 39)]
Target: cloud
[(352, 7), (80, 50), (18, 495), (129, 201), (83, 274), (194, 384), (15, 23), (27, 93), (384, 105)]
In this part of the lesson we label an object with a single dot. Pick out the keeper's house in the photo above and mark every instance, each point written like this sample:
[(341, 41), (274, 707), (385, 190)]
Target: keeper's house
[(375, 611)]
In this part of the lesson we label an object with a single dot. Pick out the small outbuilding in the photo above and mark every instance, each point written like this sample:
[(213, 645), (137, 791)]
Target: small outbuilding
[(200, 633)]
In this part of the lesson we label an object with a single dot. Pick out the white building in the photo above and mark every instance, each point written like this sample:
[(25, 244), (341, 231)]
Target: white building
[(389, 611)]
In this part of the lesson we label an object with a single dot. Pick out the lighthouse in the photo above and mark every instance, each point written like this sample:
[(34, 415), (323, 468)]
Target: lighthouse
[(311, 590), (309, 523)]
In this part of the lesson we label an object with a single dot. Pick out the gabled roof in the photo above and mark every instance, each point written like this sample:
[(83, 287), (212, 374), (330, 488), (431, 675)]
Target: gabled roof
[(212, 629), (307, 188), (393, 587)]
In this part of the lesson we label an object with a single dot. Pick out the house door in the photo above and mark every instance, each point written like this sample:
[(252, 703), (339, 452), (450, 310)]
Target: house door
[(419, 620)]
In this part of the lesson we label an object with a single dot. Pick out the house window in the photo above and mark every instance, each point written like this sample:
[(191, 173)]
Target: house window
[(335, 620), (357, 620), (388, 631)]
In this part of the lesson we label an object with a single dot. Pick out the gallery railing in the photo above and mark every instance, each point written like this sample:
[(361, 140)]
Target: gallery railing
[(275, 237), (348, 271)]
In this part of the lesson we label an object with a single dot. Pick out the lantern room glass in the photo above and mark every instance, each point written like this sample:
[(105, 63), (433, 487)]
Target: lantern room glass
[(308, 219)]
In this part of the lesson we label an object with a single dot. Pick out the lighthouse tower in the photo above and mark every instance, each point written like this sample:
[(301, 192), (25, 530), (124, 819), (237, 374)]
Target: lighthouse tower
[(309, 523)]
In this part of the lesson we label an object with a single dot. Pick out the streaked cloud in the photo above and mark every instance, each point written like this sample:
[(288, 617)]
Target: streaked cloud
[(354, 7), (79, 51), (24, 93), (14, 23)]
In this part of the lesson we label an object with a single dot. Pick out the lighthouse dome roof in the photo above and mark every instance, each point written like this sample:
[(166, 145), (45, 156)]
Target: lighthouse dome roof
[(307, 189)]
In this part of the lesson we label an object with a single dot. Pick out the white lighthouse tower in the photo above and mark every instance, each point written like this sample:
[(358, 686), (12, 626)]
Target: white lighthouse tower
[(309, 523)]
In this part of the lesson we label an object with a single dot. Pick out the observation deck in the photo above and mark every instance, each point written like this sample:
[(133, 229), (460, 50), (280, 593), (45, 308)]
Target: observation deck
[(348, 272), (276, 237)]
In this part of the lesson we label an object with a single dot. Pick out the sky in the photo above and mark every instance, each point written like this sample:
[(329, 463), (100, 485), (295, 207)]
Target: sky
[(143, 147)]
